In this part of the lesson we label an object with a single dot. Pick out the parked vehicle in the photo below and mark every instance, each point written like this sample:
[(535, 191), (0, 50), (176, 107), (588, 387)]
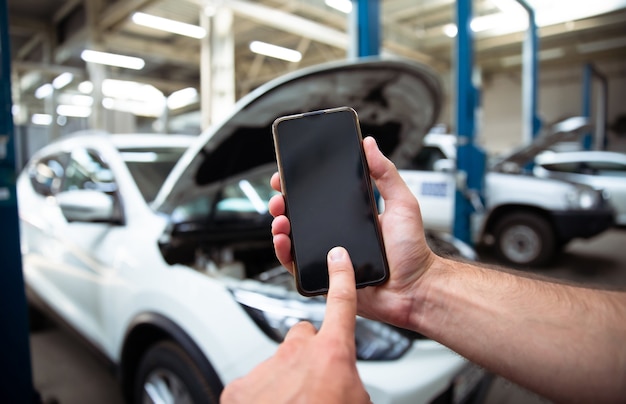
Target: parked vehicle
[(601, 170), (157, 249), (525, 219)]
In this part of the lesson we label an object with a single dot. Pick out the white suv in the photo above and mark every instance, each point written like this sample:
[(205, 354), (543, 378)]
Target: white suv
[(527, 220), (175, 280)]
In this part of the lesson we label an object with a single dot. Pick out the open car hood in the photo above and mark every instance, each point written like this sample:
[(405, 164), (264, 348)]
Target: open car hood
[(566, 130), (398, 101)]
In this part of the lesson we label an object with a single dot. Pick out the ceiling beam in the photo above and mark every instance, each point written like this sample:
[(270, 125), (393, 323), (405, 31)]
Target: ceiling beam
[(152, 50), (576, 27), (65, 10), (289, 23), (47, 69), (120, 11)]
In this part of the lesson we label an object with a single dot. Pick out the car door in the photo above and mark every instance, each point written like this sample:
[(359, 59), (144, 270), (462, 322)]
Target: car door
[(80, 265)]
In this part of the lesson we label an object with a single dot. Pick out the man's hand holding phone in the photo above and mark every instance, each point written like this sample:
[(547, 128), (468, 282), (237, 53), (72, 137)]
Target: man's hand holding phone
[(311, 364), (408, 255)]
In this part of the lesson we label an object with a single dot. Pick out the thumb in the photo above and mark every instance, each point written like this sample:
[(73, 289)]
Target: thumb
[(385, 174)]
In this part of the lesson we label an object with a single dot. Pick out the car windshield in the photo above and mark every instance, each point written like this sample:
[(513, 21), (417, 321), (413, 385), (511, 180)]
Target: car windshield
[(150, 166)]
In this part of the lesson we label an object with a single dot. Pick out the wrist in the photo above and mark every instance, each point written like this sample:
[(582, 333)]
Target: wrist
[(431, 294)]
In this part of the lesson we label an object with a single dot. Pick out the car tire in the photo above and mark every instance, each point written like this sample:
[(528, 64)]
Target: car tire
[(168, 374), (525, 239)]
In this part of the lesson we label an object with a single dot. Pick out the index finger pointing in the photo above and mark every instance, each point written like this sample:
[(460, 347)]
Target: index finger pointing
[(341, 300)]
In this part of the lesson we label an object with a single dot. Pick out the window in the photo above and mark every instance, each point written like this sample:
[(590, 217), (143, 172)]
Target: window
[(245, 198), (150, 167), (426, 158), (87, 171)]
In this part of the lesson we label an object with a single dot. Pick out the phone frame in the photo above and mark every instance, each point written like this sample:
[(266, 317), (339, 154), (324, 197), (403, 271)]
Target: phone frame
[(371, 199)]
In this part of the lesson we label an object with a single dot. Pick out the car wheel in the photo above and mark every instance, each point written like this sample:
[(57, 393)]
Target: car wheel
[(167, 374), (524, 239)]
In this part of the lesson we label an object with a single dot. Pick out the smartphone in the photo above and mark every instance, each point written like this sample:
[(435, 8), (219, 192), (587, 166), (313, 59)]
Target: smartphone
[(328, 195)]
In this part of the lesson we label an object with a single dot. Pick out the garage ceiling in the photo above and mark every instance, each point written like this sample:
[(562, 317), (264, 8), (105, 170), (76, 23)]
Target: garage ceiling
[(48, 36)]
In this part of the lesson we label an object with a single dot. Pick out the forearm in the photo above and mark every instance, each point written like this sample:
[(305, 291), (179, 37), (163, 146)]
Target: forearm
[(567, 343)]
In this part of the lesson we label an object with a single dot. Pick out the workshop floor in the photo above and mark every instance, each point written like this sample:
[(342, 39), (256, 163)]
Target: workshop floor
[(65, 372)]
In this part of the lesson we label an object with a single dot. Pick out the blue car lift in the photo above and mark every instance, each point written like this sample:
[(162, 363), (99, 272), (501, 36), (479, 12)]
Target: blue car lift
[(470, 158), (365, 28), (16, 384), (599, 142)]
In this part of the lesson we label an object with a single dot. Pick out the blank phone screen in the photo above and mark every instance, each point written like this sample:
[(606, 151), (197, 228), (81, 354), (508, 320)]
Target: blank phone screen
[(328, 197)]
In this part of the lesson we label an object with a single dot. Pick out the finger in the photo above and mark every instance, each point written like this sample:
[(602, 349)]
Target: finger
[(282, 249), (341, 299), (281, 225), (384, 173), (275, 182), (282, 243), (300, 330), (277, 205)]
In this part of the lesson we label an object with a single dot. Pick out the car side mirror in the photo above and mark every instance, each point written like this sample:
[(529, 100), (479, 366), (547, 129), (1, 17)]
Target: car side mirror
[(444, 166), (86, 205)]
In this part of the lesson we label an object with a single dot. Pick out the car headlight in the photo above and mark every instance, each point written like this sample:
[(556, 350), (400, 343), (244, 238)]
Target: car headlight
[(275, 315), (583, 198)]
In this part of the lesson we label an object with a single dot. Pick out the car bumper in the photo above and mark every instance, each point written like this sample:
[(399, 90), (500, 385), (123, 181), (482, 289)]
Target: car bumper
[(581, 223), (427, 372)]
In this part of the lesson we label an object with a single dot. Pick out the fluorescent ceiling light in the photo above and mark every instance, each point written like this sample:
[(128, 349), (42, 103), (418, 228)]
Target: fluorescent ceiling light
[(132, 90), (140, 157), (77, 111), (134, 107), (62, 80), (167, 25), (85, 87), (41, 119), (450, 30), (555, 12), (182, 98), (76, 99), (345, 6), (112, 59), (44, 91), (275, 51), (501, 21)]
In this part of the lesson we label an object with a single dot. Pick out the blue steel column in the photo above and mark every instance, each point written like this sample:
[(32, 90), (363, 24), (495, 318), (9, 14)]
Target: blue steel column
[(530, 76), (598, 140), (365, 30), (16, 381), (470, 159)]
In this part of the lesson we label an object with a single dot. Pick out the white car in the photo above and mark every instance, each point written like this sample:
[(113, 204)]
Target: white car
[(602, 170), (174, 280), (527, 220)]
